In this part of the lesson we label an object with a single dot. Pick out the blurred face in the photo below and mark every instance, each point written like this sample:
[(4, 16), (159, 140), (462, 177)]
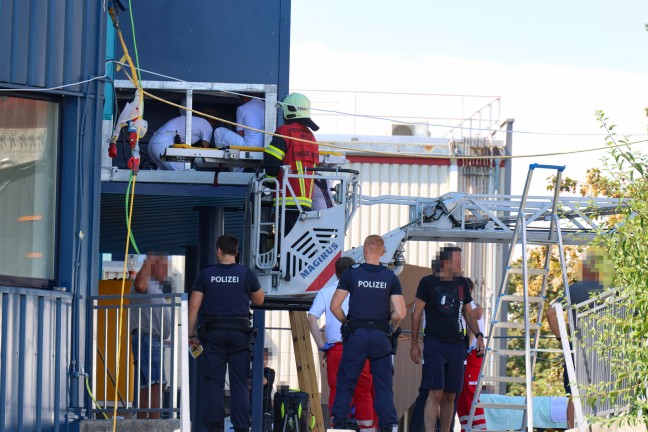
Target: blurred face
[(160, 268), (453, 265)]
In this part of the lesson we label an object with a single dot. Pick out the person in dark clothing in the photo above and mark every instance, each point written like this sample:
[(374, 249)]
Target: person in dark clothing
[(268, 384), (224, 292), (445, 297), (591, 284)]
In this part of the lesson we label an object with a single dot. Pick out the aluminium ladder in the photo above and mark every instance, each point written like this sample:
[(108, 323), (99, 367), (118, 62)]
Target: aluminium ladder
[(526, 220)]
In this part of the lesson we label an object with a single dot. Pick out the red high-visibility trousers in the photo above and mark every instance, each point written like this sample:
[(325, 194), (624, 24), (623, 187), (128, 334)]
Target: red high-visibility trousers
[(471, 376)]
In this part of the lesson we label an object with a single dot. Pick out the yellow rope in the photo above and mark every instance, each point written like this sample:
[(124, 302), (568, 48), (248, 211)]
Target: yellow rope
[(121, 301), (377, 152), (137, 85)]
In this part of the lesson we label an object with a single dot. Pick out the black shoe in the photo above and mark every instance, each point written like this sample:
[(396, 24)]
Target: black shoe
[(214, 427), (340, 424)]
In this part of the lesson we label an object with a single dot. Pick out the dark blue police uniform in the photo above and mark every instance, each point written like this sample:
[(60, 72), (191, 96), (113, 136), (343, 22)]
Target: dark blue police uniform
[(225, 332), (370, 288)]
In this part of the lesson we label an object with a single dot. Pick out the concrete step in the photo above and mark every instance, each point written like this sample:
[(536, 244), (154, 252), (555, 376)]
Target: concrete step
[(130, 425)]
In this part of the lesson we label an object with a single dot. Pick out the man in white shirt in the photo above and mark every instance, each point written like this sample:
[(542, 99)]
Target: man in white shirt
[(252, 114), (362, 397), (201, 132)]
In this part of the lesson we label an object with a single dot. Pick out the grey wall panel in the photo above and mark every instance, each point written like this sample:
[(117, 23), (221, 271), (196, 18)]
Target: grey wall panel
[(33, 351), (49, 43)]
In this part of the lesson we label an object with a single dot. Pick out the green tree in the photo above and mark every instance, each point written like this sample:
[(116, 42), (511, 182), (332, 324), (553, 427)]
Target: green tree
[(625, 175)]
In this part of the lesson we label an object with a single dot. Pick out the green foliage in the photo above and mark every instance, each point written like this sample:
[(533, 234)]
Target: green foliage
[(625, 175), (567, 184), (624, 342)]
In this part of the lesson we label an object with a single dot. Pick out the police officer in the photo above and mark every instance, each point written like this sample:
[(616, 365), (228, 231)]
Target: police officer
[(224, 291), (375, 298)]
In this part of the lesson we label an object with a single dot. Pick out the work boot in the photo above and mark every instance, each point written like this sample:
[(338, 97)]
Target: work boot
[(339, 424)]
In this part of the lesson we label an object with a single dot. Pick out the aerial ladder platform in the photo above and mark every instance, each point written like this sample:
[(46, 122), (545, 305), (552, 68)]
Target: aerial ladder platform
[(298, 263), (304, 261)]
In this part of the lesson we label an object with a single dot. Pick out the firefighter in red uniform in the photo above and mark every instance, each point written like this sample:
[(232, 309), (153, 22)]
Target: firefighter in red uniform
[(301, 156)]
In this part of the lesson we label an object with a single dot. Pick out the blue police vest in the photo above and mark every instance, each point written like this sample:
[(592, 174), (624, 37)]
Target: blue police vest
[(226, 289), (370, 288)]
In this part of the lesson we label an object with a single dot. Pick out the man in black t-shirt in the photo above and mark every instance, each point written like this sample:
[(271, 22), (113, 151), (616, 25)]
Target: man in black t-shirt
[(445, 297), (224, 291), (375, 299)]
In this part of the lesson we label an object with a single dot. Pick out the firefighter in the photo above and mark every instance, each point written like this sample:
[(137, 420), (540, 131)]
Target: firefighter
[(301, 156), (375, 299)]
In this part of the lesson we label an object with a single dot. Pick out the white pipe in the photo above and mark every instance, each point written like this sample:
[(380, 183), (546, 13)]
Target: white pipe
[(184, 365), (571, 371)]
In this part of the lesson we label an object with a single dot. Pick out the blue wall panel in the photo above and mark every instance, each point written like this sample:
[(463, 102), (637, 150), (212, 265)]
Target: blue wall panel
[(37, 46), (43, 335), (45, 43), (212, 41)]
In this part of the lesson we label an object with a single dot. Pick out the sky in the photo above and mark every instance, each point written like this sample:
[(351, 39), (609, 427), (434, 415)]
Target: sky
[(549, 65)]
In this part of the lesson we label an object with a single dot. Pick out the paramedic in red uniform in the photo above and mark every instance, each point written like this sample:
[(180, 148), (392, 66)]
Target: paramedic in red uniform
[(301, 156)]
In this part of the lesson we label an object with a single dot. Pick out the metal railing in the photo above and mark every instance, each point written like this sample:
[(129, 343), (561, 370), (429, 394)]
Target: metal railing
[(116, 358), (590, 369), (593, 368)]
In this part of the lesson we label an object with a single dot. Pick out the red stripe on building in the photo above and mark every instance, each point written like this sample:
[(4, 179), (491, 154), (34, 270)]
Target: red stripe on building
[(325, 275)]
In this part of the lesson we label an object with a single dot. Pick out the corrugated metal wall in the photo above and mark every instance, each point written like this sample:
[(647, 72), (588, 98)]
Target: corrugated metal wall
[(34, 350), (50, 44), (377, 179), (482, 262), (46, 44)]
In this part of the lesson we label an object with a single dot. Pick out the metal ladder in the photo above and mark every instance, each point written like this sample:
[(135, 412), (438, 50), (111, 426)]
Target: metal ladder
[(526, 221)]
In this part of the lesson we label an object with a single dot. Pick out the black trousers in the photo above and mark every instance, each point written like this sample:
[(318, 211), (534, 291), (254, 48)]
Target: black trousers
[(227, 349)]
